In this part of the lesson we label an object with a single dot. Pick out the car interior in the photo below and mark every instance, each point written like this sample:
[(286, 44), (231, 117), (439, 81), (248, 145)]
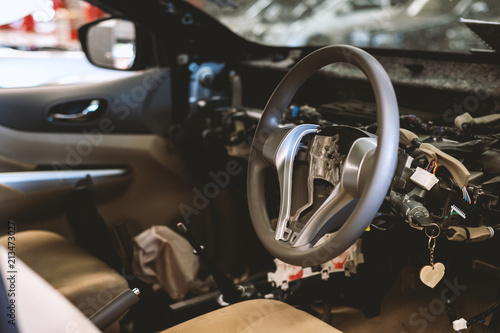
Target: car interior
[(230, 184)]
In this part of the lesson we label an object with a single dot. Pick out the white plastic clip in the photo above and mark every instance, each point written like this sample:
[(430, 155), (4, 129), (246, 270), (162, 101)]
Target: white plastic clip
[(424, 179), (460, 324)]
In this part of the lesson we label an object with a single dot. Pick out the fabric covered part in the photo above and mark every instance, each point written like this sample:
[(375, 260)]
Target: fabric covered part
[(164, 258)]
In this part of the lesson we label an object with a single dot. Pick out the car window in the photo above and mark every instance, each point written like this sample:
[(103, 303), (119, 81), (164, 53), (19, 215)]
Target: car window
[(429, 25), (42, 48)]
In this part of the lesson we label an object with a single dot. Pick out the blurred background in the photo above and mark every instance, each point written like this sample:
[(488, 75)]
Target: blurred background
[(429, 25), (39, 44), (53, 25), (50, 27)]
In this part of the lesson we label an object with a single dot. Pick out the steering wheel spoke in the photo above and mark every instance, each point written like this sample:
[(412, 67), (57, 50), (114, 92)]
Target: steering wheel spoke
[(358, 165), (339, 205), (331, 214), (283, 160)]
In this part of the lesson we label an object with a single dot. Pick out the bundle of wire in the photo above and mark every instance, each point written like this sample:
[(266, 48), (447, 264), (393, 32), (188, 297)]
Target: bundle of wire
[(433, 167), (466, 195)]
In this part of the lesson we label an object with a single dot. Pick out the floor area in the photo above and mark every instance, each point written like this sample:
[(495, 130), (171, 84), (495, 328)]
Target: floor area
[(412, 307)]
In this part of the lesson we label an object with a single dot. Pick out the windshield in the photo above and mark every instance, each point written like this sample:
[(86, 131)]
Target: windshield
[(430, 25)]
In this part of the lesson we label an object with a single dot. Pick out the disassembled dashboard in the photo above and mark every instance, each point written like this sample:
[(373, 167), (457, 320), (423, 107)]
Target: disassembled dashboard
[(446, 186), (448, 175)]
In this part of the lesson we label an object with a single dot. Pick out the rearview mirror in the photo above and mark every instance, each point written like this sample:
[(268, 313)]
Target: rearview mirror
[(113, 43)]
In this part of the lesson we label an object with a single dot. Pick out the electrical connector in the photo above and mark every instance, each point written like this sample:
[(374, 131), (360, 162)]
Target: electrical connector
[(424, 179), (460, 324)]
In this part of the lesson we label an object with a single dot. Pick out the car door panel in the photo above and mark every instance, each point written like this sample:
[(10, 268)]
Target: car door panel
[(122, 108), (41, 180), (149, 193), (39, 198), (148, 179)]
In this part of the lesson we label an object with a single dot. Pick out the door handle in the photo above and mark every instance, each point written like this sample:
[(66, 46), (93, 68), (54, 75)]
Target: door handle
[(92, 107)]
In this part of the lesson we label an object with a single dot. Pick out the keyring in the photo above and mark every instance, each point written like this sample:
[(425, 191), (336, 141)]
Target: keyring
[(435, 236)]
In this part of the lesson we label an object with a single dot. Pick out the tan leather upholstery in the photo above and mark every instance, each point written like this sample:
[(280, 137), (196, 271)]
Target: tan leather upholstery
[(43, 308), (82, 278), (89, 284), (255, 316)]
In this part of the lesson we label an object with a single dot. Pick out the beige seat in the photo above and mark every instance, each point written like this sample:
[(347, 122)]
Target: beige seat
[(83, 279), (255, 316), (89, 284)]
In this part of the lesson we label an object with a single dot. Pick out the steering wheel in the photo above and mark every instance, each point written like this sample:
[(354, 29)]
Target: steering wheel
[(365, 171)]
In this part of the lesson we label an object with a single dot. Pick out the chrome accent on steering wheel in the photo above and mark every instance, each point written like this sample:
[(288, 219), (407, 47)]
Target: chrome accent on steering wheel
[(356, 162), (326, 163), (283, 160), (343, 199)]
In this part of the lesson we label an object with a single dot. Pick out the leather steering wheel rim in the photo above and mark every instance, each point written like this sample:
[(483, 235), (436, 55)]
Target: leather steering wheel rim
[(384, 158)]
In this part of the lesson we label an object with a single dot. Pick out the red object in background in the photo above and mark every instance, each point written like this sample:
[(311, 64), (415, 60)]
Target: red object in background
[(88, 12), (91, 13), (57, 4), (28, 24)]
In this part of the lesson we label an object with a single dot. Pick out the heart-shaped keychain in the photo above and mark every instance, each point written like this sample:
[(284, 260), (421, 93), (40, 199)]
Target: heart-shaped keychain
[(431, 275)]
